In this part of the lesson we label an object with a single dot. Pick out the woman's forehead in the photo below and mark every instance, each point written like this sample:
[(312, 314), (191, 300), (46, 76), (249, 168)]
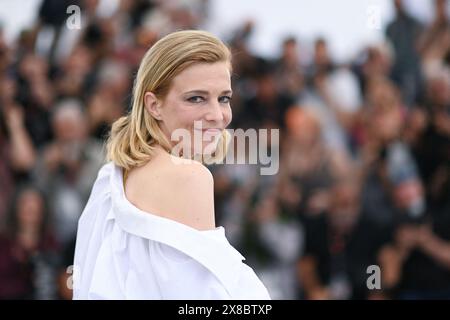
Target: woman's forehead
[(203, 76)]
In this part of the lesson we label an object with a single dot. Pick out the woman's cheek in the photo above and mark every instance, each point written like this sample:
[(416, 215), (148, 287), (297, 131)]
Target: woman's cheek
[(228, 116)]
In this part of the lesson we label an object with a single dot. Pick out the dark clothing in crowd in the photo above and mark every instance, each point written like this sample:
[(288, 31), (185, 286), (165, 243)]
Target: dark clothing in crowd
[(403, 33), (343, 259), (256, 112), (422, 276), (27, 275)]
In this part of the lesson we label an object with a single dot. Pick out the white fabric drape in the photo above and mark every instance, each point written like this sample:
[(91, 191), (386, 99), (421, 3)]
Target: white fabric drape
[(123, 252)]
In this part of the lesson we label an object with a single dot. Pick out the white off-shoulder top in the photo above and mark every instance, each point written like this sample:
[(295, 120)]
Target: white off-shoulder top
[(123, 252)]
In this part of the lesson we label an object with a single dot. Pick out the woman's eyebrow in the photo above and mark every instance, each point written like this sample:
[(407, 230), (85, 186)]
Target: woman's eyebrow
[(204, 92)]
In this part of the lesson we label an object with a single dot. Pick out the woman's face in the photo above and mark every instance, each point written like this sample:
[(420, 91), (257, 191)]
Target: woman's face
[(199, 102)]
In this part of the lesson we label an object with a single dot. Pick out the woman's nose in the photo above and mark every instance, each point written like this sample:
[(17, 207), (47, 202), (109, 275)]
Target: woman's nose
[(215, 112)]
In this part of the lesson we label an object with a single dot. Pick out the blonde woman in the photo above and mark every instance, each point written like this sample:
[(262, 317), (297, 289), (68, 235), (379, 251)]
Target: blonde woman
[(148, 229)]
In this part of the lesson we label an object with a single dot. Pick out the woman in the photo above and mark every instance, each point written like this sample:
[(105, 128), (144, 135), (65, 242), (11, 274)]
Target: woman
[(148, 229), (28, 249)]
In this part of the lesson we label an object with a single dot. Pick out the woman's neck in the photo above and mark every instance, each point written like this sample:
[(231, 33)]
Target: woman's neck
[(159, 150)]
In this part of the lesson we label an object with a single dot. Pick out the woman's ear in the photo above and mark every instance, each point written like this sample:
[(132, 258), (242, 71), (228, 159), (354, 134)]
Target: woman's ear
[(153, 105)]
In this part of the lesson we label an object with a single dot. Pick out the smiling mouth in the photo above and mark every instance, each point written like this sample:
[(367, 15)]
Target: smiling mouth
[(210, 130)]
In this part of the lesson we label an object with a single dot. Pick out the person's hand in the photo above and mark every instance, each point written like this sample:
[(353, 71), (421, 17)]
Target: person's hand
[(406, 237), (14, 117), (320, 293), (391, 261), (418, 119), (65, 292), (318, 202), (417, 122), (370, 152), (377, 296), (442, 123), (8, 90), (425, 236)]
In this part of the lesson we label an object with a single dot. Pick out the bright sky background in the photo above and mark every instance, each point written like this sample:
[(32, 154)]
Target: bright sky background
[(345, 23)]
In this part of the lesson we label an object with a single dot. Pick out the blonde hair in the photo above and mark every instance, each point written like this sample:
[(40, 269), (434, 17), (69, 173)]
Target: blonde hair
[(133, 137)]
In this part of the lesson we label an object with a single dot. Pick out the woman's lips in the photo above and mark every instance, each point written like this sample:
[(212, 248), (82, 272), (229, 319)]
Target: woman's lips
[(210, 133), (212, 130)]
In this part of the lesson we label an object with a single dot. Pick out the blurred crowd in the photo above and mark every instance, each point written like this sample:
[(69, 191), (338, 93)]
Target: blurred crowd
[(364, 166)]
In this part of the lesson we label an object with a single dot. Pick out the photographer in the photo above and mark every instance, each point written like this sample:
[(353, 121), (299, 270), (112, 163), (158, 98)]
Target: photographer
[(339, 246), (67, 166), (415, 263)]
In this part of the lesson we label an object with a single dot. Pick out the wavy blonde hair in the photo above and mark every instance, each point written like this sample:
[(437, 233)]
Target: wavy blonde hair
[(133, 137)]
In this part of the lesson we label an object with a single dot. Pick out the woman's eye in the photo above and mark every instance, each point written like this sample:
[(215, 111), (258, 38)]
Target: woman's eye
[(225, 99), (196, 99)]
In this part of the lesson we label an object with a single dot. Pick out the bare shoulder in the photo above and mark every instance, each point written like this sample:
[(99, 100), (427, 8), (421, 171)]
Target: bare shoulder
[(183, 192), (191, 188), (192, 172)]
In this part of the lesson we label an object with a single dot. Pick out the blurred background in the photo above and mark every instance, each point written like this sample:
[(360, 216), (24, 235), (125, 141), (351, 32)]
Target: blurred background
[(360, 91)]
